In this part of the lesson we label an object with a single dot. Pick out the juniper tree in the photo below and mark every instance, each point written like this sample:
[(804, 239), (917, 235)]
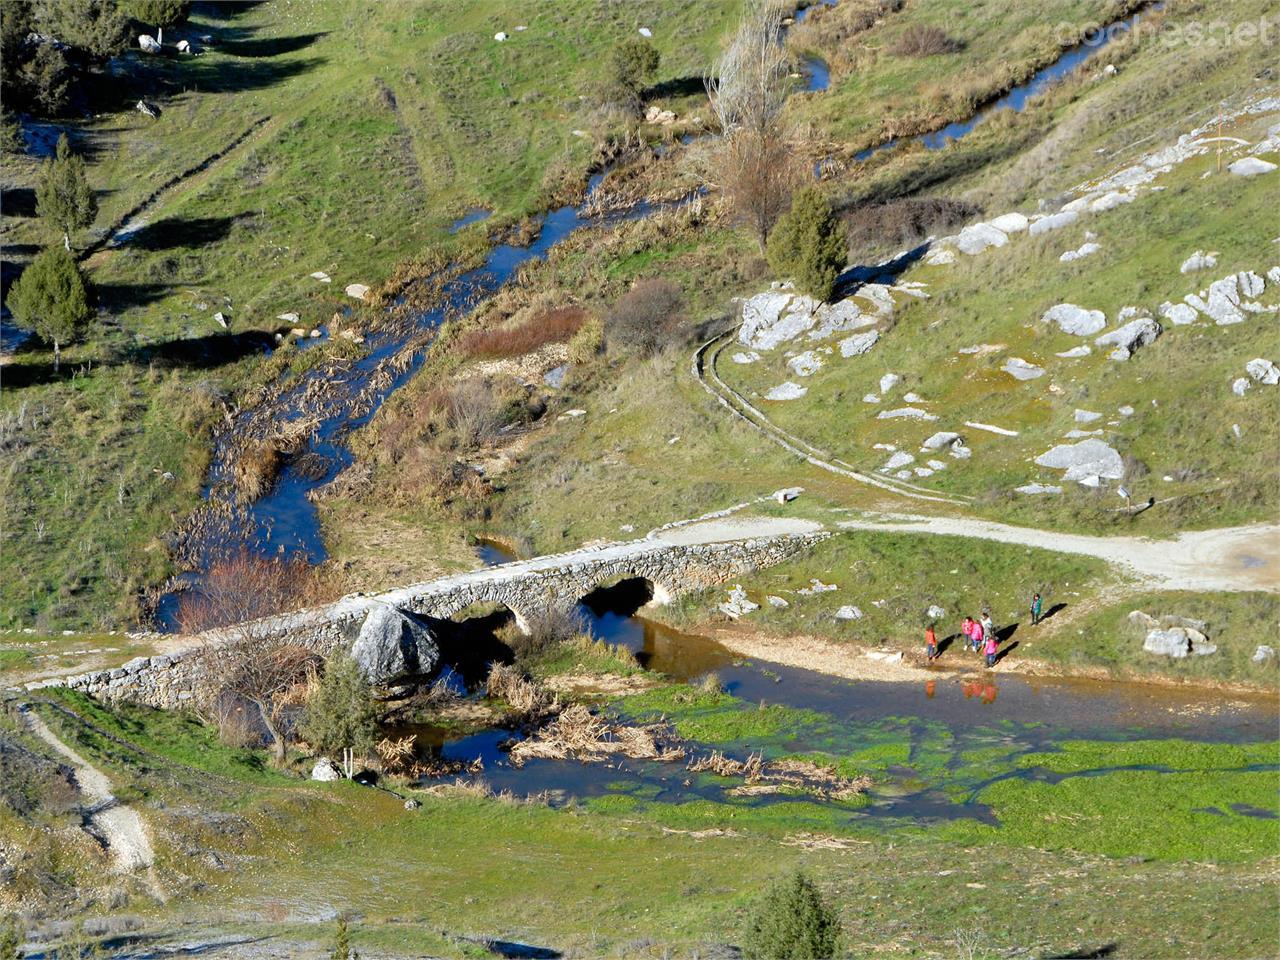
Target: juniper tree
[(632, 64), (809, 245), (51, 298), (340, 712), (63, 196), (793, 922)]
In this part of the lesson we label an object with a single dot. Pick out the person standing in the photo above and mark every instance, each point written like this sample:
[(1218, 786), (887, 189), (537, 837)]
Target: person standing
[(988, 625), (1035, 609), (975, 635), (966, 633), (930, 643), (991, 647)]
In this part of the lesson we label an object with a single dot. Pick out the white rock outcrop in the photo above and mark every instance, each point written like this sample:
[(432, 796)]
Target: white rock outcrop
[(859, 343), (1075, 320), (1263, 371), (978, 237), (786, 391), (805, 364), (905, 413), (1082, 251), (1010, 223), (1054, 221), (1129, 338), (1251, 167), (1199, 261), (1179, 314), (1240, 386), (1021, 369), (940, 440), (888, 382), (1088, 458)]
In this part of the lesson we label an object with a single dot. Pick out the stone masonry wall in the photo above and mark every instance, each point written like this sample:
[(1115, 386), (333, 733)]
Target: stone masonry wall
[(525, 587)]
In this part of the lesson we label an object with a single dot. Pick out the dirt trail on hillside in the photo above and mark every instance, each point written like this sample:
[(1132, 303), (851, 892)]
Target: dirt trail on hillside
[(1229, 559), (118, 825)]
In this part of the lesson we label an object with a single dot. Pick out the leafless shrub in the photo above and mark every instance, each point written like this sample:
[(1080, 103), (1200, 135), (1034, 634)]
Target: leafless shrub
[(903, 222), (748, 92), (474, 413), (256, 469), (550, 326), (645, 318), (544, 632), (528, 701), (243, 587), (925, 40)]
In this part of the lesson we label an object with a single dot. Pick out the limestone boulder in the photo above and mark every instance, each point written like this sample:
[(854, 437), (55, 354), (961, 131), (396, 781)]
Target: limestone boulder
[(1088, 458), (1251, 167), (1075, 320), (1263, 371), (1199, 261), (326, 771), (858, 344), (1055, 221), (978, 237), (393, 643), (1128, 339), (1010, 223), (1021, 369), (786, 391), (1173, 642)]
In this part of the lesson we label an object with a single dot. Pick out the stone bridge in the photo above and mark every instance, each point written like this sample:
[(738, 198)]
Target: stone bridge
[(671, 561)]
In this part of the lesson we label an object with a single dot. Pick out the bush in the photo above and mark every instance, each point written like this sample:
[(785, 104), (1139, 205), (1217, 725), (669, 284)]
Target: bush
[(925, 40), (51, 298), (340, 711), (645, 318), (904, 222), (544, 633), (809, 245), (793, 922), (549, 326), (158, 13), (587, 342), (631, 65), (64, 198)]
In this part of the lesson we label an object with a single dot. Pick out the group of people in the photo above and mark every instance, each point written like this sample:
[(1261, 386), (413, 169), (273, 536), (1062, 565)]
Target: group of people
[(978, 634)]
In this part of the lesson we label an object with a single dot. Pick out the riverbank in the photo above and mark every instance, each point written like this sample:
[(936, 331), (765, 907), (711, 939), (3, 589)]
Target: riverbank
[(856, 662)]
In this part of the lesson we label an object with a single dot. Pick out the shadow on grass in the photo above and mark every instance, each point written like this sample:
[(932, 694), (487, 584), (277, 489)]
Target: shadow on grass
[(205, 352), (269, 46), (18, 202), (1005, 651), (122, 296), (1051, 611), (676, 87), (179, 232), (1086, 953)]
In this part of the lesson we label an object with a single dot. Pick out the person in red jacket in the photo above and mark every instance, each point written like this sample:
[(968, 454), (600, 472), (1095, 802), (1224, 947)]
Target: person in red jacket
[(991, 647), (930, 643)]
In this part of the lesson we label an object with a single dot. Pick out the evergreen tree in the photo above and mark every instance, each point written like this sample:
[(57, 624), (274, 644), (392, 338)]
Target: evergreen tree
[(631, 65), (792, 922), (10, 940), (50, 298), (342, 942), (63, 196), (809, 245), (11, 141), (158, 13), (94, 29), (340, 711)]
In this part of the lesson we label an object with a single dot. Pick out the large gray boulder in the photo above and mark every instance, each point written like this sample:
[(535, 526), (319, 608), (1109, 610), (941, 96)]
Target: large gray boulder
[(1075, 320), (1088, 458), (1127, 339), (392, 644), (1168, 643)]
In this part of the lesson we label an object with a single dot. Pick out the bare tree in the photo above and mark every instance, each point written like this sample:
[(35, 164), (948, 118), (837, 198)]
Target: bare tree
[(243, 661), (261, 668), (748, 92)]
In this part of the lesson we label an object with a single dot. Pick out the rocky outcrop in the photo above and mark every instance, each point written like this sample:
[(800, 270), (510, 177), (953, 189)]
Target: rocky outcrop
[(393, 644), (1083, 460), (1075, 320), (1129, 338), (1021, 369), (1263, 371)]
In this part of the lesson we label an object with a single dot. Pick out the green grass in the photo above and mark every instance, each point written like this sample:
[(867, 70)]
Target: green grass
[(1237, 624), (894, 579), (584, 655), (1183, 811), (720, 719), (377, 138)]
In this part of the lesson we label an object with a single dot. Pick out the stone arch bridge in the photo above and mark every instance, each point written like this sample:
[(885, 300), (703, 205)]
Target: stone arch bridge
[(672, 561)]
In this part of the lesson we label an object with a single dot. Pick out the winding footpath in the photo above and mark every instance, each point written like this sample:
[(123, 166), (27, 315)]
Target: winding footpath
[(116, 824)]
